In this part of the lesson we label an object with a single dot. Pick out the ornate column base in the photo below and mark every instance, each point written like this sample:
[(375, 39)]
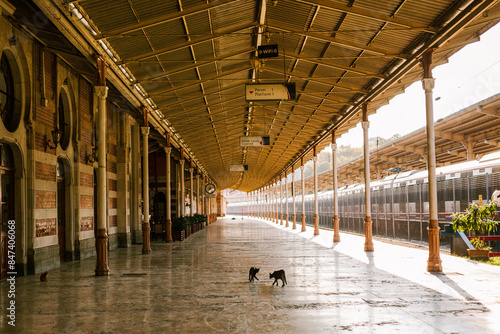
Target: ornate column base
[(294, 221), (303, 223), (286, 220), (368, 235), (146, 233), (102, 268), (168, 237), (316, 224), (336, 234), (434, 262)]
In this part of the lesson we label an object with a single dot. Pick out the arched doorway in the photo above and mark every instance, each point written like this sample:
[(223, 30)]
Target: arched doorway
[(7, 204)]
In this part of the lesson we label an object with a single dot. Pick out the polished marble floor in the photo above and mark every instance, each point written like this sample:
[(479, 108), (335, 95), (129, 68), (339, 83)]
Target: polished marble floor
[(201, 286)]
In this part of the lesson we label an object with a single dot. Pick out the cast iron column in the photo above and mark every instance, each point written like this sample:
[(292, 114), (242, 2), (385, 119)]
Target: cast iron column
[(336, 232), (286, 200), (191, 189), (303, 199), (368, 218), (101, 90), (316, 220), (434, 262), (146, 229), (276, 212), (294, 217), (183, 191), (281, 200), (198, 192), (168, 151)]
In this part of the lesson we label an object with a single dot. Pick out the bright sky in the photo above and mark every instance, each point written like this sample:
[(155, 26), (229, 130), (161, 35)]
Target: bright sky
[(471, 75)]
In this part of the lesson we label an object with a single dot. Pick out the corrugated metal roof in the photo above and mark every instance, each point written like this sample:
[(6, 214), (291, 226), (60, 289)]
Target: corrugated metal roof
[(193, 59)]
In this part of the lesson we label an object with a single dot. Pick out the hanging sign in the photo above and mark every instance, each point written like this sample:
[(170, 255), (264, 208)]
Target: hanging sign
[(267, 51), (254, 141), (270, 92)]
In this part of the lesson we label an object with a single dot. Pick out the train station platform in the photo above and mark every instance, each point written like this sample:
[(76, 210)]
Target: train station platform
[(201, 285)]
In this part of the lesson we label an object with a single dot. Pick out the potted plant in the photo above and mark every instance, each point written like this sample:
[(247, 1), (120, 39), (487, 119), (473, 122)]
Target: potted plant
[(179, 226), (481, 251), (478, 219)]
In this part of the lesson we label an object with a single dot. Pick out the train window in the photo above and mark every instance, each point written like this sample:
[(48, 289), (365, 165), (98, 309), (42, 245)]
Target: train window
[(482, 171), (396, 208), (426, 207), (412, 207)]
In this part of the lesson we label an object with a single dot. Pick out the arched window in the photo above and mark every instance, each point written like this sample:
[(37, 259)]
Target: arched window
[(64, 117), (10, 93)]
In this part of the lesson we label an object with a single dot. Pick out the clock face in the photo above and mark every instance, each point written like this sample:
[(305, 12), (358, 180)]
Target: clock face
[(210, 188)]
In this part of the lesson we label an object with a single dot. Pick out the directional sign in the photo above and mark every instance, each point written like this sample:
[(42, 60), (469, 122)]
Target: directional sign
[(238, 168), (267, 51), (254, 141), (270, 92)]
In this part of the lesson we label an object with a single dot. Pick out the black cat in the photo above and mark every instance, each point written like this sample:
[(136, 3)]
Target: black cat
[(44, 277), (279, 274), (252, 274)]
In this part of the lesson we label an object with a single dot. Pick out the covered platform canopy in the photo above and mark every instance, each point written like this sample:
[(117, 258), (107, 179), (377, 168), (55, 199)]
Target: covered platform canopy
[(465, 135), (188, 62)]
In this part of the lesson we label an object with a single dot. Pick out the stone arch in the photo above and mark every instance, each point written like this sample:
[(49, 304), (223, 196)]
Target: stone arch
[(24, 232), (71, 225)]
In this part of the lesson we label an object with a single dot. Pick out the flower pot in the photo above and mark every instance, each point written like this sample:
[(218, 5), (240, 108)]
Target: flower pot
[(478, 253), (178, 235)]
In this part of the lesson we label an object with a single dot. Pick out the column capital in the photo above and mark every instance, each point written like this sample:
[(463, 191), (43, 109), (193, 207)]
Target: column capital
[(334, 147), (145, 130), (315, 158), (182, 161), (101, 91), (365, 125), (168, 150), (428, 84)]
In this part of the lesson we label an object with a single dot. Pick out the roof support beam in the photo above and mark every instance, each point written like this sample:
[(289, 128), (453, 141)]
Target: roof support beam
[(197, 82), (371, 14), (162, 19), (336, 41), (177, 47), (195, 64)]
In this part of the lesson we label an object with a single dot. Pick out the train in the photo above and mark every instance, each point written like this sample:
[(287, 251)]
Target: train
[(399, 202)]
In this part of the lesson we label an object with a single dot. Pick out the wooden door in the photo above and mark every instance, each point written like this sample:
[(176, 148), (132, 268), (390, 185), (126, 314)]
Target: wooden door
[(61, 216), (6, 215)]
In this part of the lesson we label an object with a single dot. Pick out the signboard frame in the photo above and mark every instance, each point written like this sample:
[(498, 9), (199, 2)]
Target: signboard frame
[(288, 86)]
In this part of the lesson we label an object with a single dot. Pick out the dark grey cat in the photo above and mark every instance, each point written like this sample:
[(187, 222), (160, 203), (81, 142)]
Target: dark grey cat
[(252, 274), (279, 274)]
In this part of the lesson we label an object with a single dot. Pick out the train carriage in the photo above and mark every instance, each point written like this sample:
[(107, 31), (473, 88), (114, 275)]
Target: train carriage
[(400, 202)]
